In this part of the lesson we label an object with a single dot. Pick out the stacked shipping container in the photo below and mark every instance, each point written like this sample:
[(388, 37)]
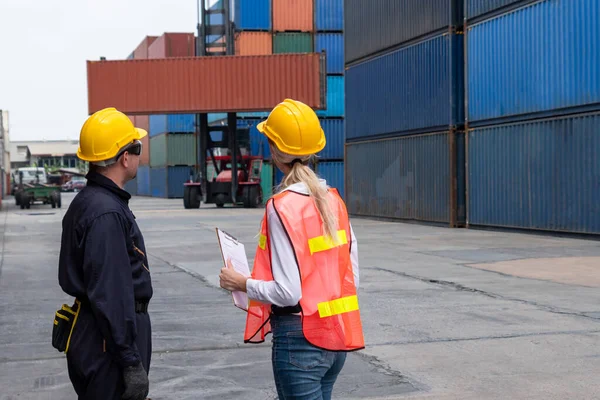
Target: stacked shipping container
[(533, 101), (297, 26), (404, 87), (530, 156), (137, 186), (172, 137)]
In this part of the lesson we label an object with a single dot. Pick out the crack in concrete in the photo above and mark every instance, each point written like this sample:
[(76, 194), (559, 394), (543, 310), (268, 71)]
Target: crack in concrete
[(462, 288)]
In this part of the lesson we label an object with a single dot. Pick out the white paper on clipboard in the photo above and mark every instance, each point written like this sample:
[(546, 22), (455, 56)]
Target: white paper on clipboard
[(232, 249)]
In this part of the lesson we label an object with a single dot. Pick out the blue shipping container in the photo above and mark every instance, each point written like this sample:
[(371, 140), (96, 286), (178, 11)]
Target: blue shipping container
[(167, 182), (333, 44), (131, 187), (537, 59), (536, 175), (334, 133), (408, 177), (476, 8), (375, 25), (333, 173), (329, 15), (143, 181), (172, 123), (259, 145), (416, 88), (335, 98), (253, 15)]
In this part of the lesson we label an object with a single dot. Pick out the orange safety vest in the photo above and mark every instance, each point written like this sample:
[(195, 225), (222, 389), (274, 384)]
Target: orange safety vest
[(329, 303)]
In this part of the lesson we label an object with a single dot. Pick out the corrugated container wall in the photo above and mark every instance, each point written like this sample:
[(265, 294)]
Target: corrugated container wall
[(141, 51), (172, 123), (142, 121), (416, 88), (476, 8), (536, 175), (329, 15), (172, 149), (173, 45), (292, 43), (375, 25), (253, 43), (333, 173), (253, 15), (536, 59), (335, 98), (259, 145), (167, 182), (293, 15), (266, 181), (143, 181), (334, 134), (333, 44), (408, 177), (234, 83)]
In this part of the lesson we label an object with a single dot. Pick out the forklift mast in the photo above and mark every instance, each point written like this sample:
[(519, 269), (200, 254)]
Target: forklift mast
[(215, 38)]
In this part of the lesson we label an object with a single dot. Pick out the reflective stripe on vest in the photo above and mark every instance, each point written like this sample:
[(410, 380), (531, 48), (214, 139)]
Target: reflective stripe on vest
[(337, 307), (322, 243)]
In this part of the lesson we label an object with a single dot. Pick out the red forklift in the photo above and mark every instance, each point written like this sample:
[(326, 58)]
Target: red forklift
[(225, 172), (220, 180)]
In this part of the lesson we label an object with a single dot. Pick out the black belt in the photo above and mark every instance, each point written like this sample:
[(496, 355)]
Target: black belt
[(275, 310), (141, 307)]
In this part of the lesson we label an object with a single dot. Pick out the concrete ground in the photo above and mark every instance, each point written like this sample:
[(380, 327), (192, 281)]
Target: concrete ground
[(448, 314)]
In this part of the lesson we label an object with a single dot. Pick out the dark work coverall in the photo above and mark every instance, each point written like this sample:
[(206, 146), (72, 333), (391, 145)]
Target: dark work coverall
[(103, 263)]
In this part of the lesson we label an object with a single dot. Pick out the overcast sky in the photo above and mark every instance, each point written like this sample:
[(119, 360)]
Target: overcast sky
[(44, 45)]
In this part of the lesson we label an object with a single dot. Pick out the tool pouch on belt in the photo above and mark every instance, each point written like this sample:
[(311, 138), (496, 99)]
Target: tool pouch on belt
[(64, 322)]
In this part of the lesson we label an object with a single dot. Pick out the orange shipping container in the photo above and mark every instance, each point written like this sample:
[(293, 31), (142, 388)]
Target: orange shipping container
[(173, 45), (253, 44), (141, 52), (206, 84), (293, 15)]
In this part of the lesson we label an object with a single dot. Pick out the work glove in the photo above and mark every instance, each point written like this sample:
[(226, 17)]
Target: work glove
[(136, 383)]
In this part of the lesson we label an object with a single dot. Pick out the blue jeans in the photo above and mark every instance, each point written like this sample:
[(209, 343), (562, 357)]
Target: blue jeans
[(301, 370)]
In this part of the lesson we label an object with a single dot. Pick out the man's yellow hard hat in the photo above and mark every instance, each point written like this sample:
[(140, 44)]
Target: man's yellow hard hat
[(294, 128), (106, 132)]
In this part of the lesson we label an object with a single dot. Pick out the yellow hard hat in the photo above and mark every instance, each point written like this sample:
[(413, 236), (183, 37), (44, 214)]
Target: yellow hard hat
[(104, 133), (294, 128)]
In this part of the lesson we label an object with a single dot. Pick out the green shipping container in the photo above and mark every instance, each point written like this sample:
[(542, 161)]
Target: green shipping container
[(266, 181), (292, 43), (172, 149)]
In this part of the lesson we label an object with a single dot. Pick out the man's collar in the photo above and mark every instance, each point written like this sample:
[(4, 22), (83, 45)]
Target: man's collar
[(100, 180)]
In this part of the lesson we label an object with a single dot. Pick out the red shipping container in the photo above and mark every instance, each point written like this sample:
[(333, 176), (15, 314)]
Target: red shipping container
[(173, 45), (253, 44), (293, 15), (141, 52), (206, 84)]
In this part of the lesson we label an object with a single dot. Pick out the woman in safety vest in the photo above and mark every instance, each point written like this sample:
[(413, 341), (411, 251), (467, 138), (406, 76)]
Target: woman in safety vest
[(305, 275)]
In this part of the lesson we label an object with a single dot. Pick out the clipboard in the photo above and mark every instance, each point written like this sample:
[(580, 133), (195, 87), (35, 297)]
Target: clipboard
[(233, 249)]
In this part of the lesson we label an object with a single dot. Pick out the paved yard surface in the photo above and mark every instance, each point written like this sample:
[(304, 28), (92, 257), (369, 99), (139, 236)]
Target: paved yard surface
[(448, 314)]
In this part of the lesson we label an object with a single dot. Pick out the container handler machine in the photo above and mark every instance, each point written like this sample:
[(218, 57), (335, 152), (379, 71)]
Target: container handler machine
[(225, 172)]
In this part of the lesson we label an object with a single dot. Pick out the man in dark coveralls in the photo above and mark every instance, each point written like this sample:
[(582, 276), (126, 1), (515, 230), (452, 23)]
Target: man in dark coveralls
[(103, 264)]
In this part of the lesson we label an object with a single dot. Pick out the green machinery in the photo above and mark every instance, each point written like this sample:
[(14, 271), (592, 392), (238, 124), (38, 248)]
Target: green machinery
[(36, 189)]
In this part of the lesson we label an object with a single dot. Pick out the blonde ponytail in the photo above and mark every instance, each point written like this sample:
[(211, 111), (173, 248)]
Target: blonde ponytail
[(300, 172)]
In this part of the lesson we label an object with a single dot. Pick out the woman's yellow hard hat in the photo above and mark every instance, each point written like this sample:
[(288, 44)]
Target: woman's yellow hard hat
[(104, 133), (294, 128)]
